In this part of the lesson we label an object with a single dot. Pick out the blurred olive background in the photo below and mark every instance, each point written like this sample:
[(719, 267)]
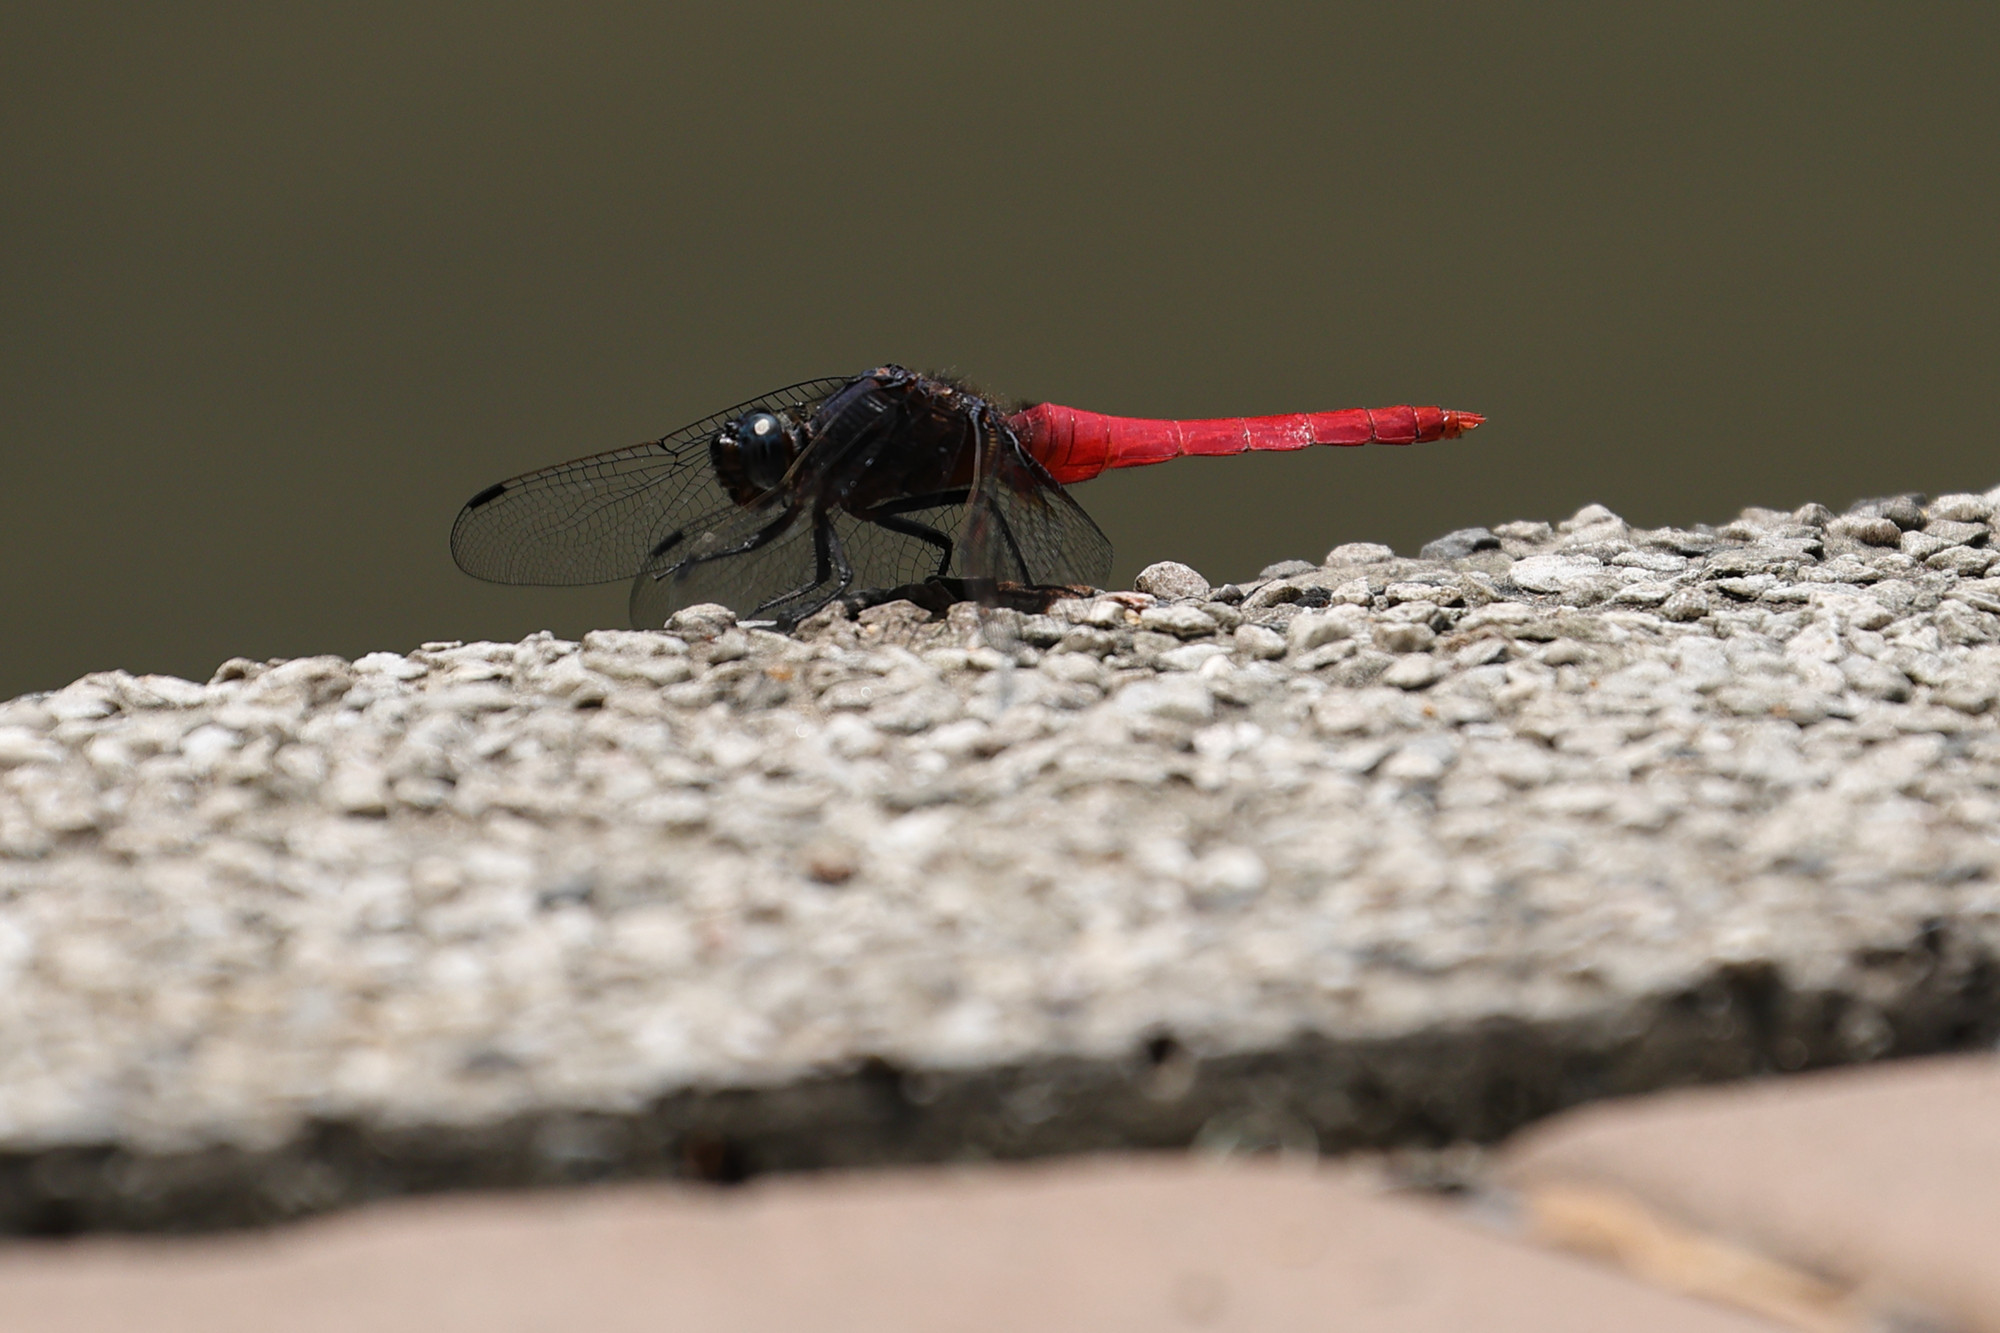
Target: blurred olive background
[(285, 284)]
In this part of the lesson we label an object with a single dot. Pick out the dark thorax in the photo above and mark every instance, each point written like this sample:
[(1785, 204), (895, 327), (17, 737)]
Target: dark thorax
[(891, 435)]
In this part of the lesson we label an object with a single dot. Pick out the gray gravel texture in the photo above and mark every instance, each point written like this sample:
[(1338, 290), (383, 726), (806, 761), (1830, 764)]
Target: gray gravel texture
[(1377, 851)]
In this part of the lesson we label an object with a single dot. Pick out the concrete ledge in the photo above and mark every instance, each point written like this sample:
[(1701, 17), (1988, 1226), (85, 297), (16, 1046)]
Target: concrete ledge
[(1316, 1094), (1377, 851)]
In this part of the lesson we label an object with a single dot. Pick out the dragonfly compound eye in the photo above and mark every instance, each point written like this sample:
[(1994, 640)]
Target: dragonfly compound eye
[(752, 452)]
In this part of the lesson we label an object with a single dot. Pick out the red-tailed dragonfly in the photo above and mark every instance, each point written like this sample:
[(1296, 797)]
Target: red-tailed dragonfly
[(839, 487)]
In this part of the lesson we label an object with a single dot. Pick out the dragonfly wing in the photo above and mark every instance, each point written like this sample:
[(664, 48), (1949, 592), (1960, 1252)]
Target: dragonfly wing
[(737, 555), (598, 519), (1023, 527), (887, 558), (765, 562)]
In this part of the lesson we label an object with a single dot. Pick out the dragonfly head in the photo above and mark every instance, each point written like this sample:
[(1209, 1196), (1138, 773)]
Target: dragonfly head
[(752, 453)]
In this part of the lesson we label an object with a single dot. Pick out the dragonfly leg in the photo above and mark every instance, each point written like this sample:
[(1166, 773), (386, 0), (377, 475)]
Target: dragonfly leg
[(763, 536), (661, 583), (890, 516), (830, 565)]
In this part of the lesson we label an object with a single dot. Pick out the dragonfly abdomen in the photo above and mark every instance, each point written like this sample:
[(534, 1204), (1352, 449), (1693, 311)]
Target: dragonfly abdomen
[(1075, 445)]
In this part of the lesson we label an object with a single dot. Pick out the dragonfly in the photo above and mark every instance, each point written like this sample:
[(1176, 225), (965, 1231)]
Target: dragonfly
[(842, 488)]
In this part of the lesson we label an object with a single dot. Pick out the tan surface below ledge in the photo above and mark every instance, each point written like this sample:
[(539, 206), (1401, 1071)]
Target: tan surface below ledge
[(1139, 1244), (1880, 1182)]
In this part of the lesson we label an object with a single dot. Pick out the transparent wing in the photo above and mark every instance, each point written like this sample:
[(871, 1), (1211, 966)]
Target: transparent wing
[(596, 519), (766, 561), (1023, 527)]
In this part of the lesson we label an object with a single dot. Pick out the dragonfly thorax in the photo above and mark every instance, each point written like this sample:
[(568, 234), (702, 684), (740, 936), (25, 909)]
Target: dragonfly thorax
[(752, 453)]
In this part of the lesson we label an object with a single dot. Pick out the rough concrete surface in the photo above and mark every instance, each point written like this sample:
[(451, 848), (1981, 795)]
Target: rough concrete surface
[(1379, 851), (1107, 1246)]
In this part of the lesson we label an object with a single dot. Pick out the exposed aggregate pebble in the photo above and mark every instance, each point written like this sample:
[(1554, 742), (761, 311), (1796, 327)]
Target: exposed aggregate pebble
[(1538, 774)]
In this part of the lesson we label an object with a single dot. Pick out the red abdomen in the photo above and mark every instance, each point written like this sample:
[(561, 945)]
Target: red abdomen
[(1075, 445)]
